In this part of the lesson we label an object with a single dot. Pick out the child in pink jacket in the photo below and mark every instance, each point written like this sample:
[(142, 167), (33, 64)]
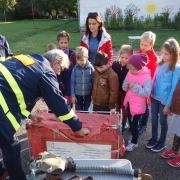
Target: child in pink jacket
[(138, 86)]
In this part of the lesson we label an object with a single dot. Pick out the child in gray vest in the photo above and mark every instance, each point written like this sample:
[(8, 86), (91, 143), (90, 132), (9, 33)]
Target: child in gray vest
[(82, 80)]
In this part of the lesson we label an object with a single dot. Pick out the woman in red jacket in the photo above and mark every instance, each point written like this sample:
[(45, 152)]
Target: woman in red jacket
[(96, 38)]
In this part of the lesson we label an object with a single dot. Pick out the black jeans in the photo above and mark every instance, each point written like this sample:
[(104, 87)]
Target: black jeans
[(100, 108), (134, 122), (145, 117)]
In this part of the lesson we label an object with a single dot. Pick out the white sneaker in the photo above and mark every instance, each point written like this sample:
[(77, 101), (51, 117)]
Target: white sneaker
[(129, 140), (131, 147)]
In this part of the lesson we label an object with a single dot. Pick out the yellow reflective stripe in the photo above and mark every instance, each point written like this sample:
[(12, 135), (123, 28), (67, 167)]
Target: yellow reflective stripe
[(15, 88), (2, 58), (67, 116), (9, 115), (9, 57), (26, 60)]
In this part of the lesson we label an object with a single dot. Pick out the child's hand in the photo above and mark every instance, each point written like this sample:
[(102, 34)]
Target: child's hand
[(131, 85), (148, 101), (126, 86), (37, 118), (166, 110), (112, 111), (74, 100)]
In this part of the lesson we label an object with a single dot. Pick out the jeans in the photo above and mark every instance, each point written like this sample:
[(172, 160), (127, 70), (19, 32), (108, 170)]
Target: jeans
[(145, 117), (83, 102), (11, 158), (157, 108), (134, 122)]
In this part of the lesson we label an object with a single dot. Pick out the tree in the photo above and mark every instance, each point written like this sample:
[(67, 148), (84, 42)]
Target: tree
[(7, 5), (69, 6), (57, 6), (44, 6), (23, 8), (130, 11)]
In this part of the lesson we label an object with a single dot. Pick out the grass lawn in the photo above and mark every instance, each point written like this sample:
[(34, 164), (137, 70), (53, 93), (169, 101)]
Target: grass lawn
[(32, 37)]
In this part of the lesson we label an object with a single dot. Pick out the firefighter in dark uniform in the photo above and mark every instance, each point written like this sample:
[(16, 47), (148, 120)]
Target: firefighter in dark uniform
[(23, 79)]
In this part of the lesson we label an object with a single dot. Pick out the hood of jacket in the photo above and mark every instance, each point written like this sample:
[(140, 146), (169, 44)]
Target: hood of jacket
[(105, 37)]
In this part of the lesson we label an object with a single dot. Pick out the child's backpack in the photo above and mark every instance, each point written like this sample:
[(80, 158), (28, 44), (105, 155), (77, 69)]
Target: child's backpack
[(5, 51)]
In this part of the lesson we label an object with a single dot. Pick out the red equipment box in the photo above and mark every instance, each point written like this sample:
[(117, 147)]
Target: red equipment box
[(104, 142)]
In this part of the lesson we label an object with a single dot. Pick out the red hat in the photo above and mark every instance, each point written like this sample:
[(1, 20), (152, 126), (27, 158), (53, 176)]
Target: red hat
[(138, 60)]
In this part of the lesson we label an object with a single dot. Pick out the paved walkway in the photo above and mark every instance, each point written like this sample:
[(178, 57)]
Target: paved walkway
[(143, 158)]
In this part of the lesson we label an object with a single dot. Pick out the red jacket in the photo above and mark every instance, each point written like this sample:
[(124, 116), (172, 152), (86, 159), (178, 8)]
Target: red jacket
[(105, 44), (152, 61)]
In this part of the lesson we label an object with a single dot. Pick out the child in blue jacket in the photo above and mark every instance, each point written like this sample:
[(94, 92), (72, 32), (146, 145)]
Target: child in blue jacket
[(165, 81)]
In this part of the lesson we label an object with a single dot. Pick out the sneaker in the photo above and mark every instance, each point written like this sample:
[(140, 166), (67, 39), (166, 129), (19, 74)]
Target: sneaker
[(170, 153), (175, 162), (131, 147), (129, 140), (4, 176), (158, 147), (142, 129), (124, 127), (151, 143)]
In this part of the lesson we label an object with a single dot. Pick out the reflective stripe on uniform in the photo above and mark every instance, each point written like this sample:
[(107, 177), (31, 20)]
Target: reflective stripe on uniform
[(26, 60), (9, 57), (15, 88), (2, 59), (67, 116), (9, 115)]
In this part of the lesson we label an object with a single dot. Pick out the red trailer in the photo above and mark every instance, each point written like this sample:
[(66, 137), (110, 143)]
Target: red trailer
[(104, 142)]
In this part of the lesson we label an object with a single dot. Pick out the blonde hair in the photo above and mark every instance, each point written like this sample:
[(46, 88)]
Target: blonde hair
[(149, 36), (81, 52), (172, 46), (125, 49), (59, 55), (50, 47)]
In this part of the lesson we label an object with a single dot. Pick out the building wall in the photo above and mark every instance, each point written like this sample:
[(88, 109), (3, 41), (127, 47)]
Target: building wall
[(146, 7)]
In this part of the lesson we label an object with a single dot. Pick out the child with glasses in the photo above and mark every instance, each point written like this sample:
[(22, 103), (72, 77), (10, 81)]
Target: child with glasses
[(138, 86), (82, 80), (96, 38)]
